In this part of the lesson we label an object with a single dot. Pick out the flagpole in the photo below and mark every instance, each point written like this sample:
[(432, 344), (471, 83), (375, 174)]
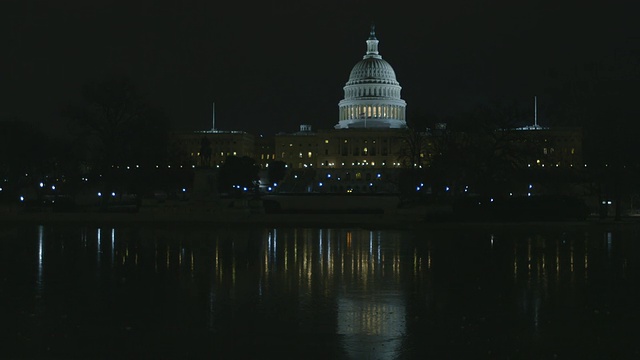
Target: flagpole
[(535, 111)]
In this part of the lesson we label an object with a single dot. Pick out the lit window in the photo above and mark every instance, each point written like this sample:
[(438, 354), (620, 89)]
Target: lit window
[(309, 154), (300, 155), (326, 141)]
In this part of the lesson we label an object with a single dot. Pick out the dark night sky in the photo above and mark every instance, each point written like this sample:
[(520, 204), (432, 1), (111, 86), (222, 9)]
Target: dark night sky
[(272, 66)]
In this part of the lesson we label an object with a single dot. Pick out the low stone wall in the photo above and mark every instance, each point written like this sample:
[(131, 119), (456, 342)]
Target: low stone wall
[(322, 203)]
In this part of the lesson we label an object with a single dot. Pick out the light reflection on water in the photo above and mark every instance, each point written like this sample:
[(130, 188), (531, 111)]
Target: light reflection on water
[(39, 279), (348, 293)]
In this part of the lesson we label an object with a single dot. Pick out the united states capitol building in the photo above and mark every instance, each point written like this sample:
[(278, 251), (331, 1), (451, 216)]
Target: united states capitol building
[(369, 145)]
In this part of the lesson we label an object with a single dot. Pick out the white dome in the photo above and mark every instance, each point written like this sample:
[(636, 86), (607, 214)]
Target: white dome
[(372, 70), (372, 94)]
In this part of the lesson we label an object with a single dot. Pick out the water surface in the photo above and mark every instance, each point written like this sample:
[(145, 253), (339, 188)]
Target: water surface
[(493, 292)]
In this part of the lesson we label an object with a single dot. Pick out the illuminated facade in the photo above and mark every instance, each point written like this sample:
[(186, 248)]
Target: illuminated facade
[(298, 150), (372, 94), (361, 153), (220, 143), (265, 151), (557, 147), (348, 160), (367, 148)]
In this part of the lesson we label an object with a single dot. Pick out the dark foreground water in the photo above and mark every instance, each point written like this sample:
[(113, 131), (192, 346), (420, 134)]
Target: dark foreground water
[(175, 292)]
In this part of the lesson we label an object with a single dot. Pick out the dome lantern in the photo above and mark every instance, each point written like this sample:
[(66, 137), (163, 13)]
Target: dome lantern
[(372, 45)]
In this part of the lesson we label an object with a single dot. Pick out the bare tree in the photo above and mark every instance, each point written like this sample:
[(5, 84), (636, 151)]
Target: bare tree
[(118, 129)]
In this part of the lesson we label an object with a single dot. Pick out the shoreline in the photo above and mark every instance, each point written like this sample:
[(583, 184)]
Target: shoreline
[(219, 218), (229, 218)]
